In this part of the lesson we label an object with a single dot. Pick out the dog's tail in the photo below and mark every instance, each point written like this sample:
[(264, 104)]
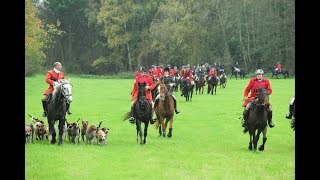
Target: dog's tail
[(100, 124), (33, 118), (126, 116)]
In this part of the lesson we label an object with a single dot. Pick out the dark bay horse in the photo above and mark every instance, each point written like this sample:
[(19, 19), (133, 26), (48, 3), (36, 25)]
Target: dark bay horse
[(56, 108), (237, 71), (164, 111), (223, 81), (200, 84), (212, 84), (257, 119), (284, 72), (187, 89), (142, 113)]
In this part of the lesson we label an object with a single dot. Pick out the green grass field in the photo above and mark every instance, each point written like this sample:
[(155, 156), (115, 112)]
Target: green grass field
[(207, 141)]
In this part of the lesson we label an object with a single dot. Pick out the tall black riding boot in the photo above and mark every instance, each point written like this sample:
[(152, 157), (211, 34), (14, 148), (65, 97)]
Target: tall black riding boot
[(289, 116), (44, 105), (156, 103), (68, 108), (271, 125), (245, 117), (131, 120), (151, 118), (176, 110)]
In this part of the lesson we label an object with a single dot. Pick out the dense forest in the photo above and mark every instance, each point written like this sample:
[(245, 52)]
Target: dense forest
[(103, 37)]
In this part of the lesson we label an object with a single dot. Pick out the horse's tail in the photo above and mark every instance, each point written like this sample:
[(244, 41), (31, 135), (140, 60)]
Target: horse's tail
[(126, 116)]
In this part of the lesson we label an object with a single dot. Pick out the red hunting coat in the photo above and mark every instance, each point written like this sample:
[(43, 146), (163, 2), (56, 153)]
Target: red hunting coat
[(50, 78), (149, 82), (252, 88)]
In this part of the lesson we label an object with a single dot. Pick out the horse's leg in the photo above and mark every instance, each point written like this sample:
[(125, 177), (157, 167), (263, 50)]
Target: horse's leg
[(61, 124), (145, 132), (52, 131), (138, 127), (163, 127), (250, 140), (255, 140), (264, 133), (170, 127), (140, 132), (160, 131)]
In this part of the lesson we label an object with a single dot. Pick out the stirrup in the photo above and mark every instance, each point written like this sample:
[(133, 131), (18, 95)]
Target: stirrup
[(44, 114), (177, 111)]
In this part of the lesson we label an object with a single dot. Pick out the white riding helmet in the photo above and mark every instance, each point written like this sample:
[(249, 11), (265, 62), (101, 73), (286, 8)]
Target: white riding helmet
[(259, 71)]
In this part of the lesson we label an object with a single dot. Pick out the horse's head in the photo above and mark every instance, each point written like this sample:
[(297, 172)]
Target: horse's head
[(64, 87), (163, 90), (263, 96)]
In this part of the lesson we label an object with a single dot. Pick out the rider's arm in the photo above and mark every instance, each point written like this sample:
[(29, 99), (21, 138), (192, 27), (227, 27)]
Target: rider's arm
[(248, 88), (49, 78)]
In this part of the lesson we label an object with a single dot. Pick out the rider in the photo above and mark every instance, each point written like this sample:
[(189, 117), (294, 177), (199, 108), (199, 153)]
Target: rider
[(254, 84), (187, 74), (168, 81), (53, 75), (278, 67), (293, 100), (199, 72), (143, 77)]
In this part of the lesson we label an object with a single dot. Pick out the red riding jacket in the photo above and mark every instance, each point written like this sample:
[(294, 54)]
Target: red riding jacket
[(252, 88), (149, 82), (50, 78)]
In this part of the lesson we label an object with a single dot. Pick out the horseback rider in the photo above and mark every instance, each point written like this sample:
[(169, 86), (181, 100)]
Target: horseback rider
[(187, 74), (143, 77), (199, 72), (293, 100), (278, 67), (254, 84), (168, 81), (53, 75)]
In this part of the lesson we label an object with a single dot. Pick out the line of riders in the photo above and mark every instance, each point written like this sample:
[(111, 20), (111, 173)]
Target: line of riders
[(154, 74), (168, 76)]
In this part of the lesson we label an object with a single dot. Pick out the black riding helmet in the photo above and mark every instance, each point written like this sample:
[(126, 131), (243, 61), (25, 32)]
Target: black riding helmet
[(142, 69), (166, 69)]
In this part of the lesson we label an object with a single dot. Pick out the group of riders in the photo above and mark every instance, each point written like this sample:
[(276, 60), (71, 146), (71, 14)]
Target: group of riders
[(167, 75)]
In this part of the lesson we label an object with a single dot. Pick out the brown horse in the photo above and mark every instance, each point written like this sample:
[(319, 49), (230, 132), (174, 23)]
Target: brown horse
[(164, 110), (200, 84)]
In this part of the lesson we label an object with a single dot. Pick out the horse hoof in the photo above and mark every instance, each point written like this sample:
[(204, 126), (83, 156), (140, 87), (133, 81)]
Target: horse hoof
[(53, 141), (169, 135), (261, 148), (60, 143), (250, 148), (164, 135)]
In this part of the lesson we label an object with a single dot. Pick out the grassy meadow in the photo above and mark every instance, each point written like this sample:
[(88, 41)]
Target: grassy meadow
[(207, 141)]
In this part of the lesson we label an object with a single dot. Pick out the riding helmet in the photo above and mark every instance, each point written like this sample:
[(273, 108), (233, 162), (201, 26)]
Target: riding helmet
[(142, 69), (259, 71), (166, 69)]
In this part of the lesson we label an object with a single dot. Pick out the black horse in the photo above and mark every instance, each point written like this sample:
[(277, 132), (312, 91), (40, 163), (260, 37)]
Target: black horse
[(257, 119), (284, 72), (223, 81), (237, 71), (142, 113), (56, 107), (212, 84), (187, 89)]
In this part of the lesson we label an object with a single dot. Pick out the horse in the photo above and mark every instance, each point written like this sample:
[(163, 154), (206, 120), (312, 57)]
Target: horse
[(187, 89), (164, 110), (200, 84), (154, 91), (142, 113), (223, 81), (257, 119), (284, 72), (212, 84), (177, 80), (56, 107), (237, 71)]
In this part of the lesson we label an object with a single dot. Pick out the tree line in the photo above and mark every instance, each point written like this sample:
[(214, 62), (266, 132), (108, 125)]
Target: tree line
[(104, 37)]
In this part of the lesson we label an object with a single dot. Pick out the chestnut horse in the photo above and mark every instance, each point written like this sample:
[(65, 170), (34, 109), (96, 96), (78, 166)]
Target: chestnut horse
[(164, 110)]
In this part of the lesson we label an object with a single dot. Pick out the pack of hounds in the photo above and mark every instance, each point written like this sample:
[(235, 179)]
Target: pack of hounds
[(90, 134)]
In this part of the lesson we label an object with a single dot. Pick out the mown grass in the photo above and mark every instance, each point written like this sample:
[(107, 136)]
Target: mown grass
[(207, 141)]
